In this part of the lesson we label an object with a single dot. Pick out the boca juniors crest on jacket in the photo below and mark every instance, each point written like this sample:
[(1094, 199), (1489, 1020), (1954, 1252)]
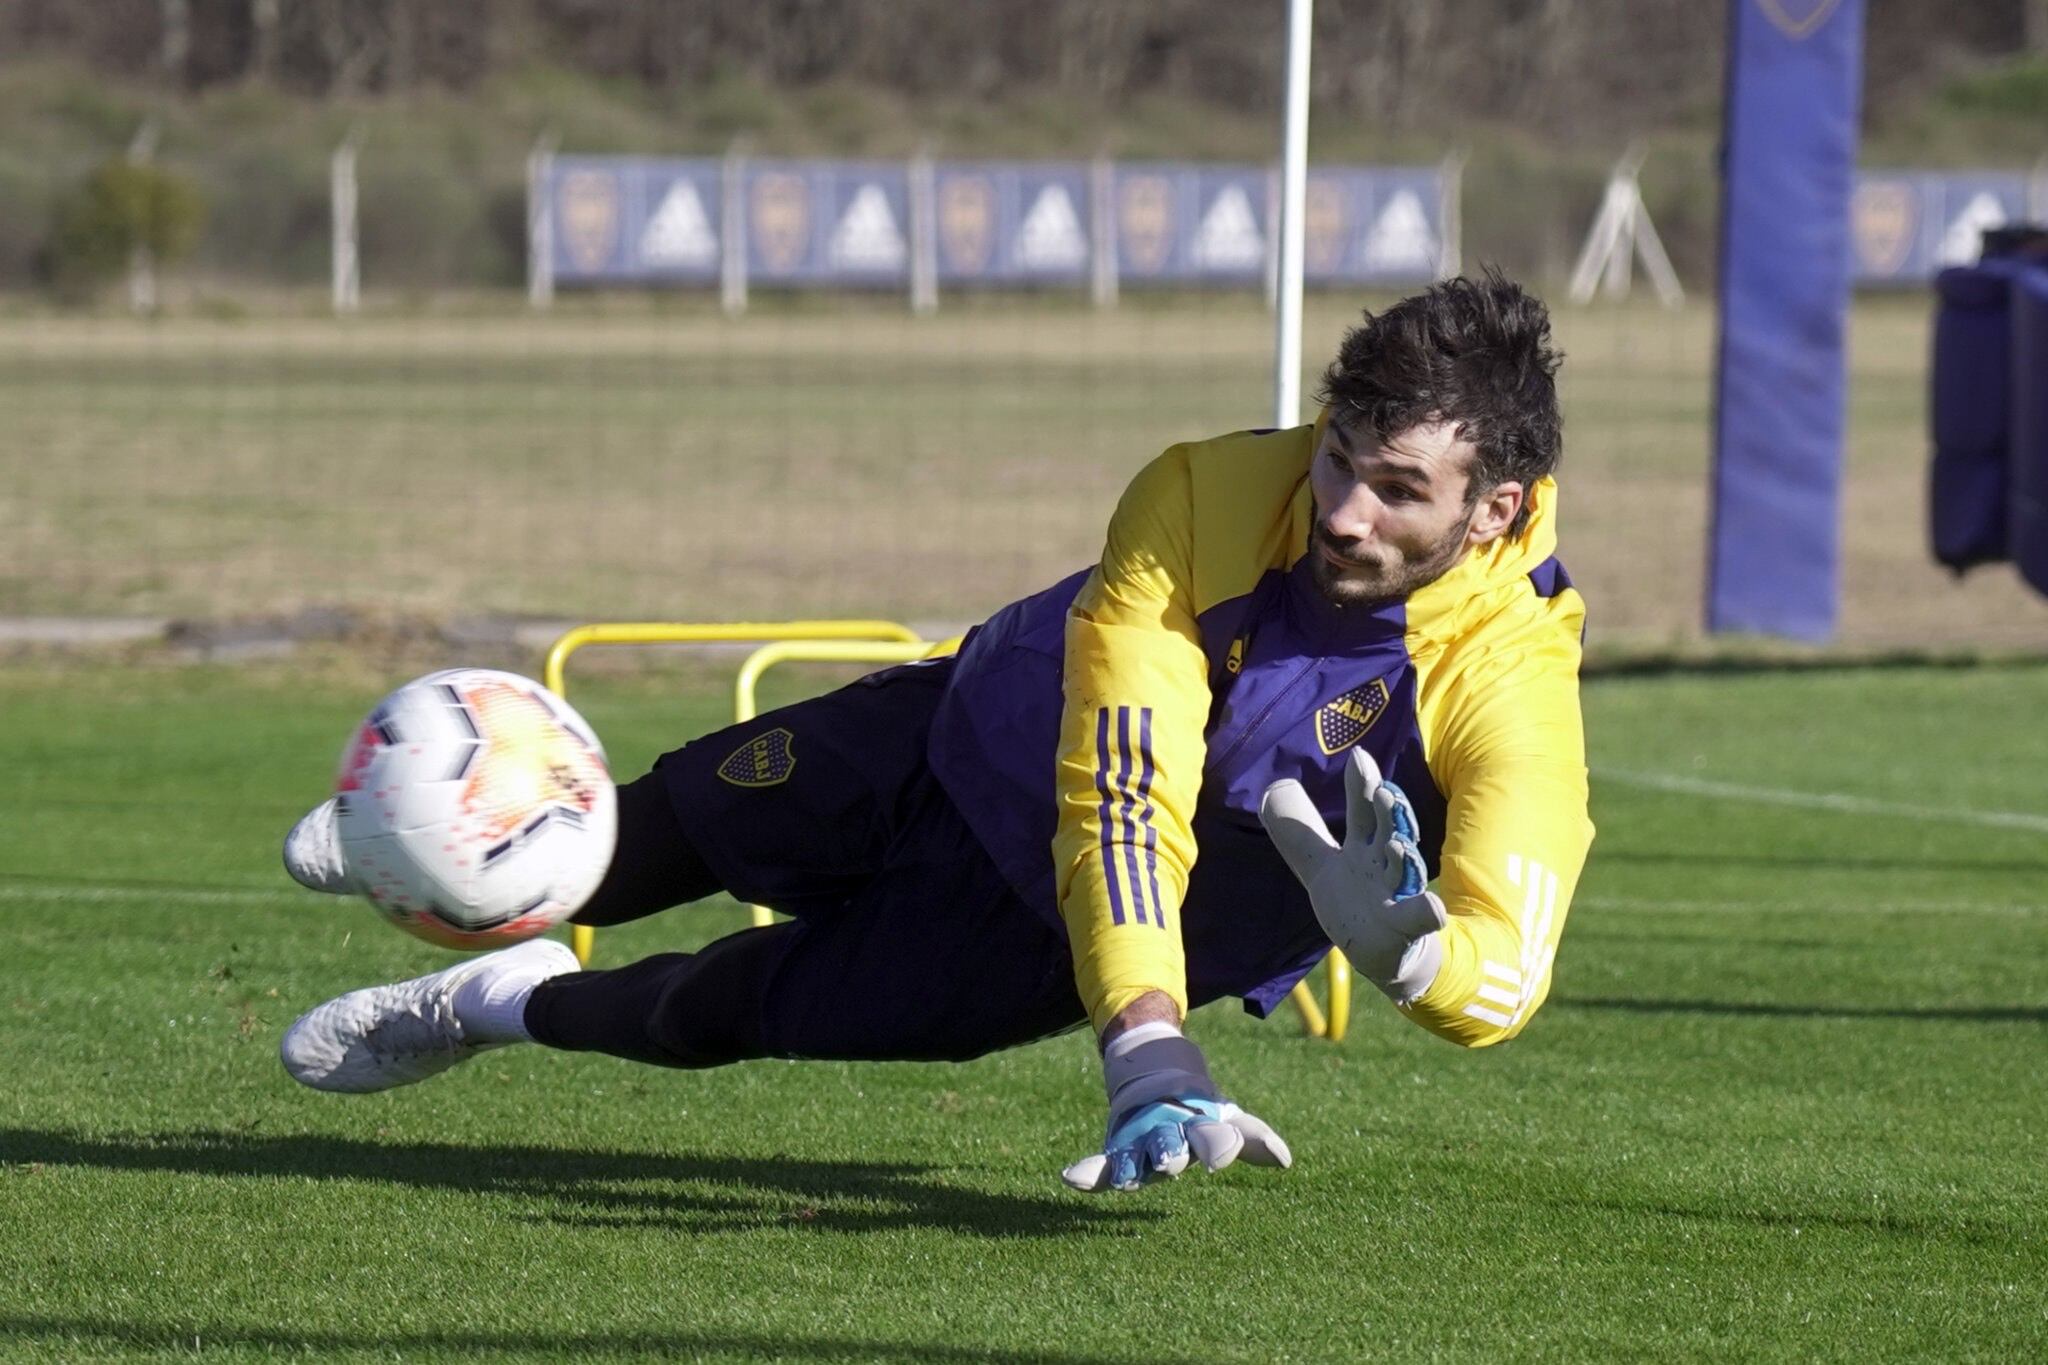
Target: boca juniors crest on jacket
[(1109, 740)]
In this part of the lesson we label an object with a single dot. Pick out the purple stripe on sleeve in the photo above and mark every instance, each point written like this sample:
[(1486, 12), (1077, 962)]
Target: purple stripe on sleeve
[(1109, 870), (1145, 815), (1130, 823)]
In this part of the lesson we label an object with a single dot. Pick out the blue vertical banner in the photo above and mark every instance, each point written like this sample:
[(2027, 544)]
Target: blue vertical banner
[(1789, 154)]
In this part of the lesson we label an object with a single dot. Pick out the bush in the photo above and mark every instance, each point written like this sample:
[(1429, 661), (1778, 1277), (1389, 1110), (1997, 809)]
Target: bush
[(26, 192), (2016, 89), (119, 207), (269, 212)]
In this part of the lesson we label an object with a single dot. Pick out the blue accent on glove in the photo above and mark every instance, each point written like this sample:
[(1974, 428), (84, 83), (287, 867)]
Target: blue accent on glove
[(1143, 1143), (1414, 872)]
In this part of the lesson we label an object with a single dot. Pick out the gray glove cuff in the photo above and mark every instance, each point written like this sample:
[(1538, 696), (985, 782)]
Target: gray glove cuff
[(1417, 972), (1158, 1064)]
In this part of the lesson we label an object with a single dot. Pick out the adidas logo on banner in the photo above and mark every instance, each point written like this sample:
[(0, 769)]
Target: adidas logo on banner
[(679, 233), (867, 237), (1963, 242), (1229, 236), (1401, 239), (1051, 236)]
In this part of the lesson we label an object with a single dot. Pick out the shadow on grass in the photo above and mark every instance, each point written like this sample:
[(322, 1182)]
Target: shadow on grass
[(1969, 1014), (609, 1189), (51, 1330)]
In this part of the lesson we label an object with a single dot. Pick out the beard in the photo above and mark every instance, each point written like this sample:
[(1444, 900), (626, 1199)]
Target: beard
[(1380, 578)]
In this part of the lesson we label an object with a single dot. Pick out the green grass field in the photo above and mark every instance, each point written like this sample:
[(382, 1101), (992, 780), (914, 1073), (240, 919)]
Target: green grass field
[(1785, 1102)]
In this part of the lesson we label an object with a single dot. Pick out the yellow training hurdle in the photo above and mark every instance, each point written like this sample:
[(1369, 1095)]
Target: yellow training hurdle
[(844, 641)]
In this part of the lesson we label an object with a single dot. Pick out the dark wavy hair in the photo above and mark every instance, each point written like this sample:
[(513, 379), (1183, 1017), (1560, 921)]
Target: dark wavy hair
[(1475, 353)]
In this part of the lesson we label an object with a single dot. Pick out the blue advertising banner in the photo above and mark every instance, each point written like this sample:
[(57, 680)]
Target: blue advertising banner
[(1379, 226), (1911, 225), (842, 222), (635, 218), (628, 220), (1013, 222), (1180, 224), (1789, 152)]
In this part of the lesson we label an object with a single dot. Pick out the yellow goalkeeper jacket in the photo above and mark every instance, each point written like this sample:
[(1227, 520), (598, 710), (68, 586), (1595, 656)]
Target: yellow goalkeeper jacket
[(1109, 740)]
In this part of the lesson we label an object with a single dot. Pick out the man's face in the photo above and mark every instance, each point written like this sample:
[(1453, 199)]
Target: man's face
[(1394, 515)]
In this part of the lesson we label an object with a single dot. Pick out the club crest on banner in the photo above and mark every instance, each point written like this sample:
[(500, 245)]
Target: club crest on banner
[(1324, 224), (1797, 18), (967, 222), (766, 760), (780, 218), (1342, 722), (1145, 221), (1885, 215), (587, 205)]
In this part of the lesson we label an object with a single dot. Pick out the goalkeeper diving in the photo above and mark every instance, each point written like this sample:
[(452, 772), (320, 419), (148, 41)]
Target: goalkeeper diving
[(1321, 688)]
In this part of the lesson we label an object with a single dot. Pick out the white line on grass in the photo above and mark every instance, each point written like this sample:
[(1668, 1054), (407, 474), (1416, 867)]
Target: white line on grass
[(1839, 802), (167, 895)]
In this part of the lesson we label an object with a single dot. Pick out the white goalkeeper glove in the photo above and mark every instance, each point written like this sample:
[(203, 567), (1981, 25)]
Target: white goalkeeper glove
[(1369, 893), (1164, 1114)]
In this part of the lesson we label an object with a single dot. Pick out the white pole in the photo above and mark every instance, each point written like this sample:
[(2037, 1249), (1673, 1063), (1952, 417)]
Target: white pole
[(1102, 237), (1293, 194), (1451, 209), (1602, 241), (1619, 278), (924, 234), (540, 222), (732, 230), (346, 259), (1650, 247), (1269, 221), (141, 260), (1621, 234), (177, 37)]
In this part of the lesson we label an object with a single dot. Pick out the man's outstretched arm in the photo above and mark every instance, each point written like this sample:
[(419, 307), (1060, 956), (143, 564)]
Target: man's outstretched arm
[(1129, 773), (1131, 752)]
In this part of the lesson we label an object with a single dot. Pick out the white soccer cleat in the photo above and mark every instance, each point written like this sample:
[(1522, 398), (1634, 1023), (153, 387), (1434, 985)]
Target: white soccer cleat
[(385, 1036), (312, 852)]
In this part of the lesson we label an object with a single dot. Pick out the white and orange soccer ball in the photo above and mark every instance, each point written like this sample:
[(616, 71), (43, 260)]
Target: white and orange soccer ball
[(474, 808)]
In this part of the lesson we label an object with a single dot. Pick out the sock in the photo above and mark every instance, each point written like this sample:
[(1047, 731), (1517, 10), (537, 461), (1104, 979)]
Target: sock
[(492, 1004)]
